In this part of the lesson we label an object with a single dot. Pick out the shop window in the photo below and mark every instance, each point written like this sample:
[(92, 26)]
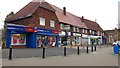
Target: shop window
[(52, 23), (18, 39), (77, 40), (42, 21)]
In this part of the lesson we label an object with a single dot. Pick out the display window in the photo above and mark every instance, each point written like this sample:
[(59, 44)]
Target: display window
[(39, 41), (77, 40), (18, 39)]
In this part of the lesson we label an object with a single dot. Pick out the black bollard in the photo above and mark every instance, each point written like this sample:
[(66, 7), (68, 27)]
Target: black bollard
[(94, 48), (43, 52), (10, 53), (87, 50), (64, 51), (78, 51)]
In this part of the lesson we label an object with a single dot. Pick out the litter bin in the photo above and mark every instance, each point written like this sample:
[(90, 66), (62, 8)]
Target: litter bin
[(116, 49)]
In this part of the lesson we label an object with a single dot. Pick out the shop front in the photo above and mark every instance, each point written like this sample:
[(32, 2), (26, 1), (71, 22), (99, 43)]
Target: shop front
[(20, 37), (65, 38), (97, 39), (47, 37), (85, 39), (28, 37), (76, 39)]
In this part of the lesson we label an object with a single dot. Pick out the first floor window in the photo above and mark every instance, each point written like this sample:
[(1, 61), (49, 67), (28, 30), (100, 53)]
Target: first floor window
[(74, 29), (18, 39), (83, 31), (52, 23), (42, 21), (77, 29)]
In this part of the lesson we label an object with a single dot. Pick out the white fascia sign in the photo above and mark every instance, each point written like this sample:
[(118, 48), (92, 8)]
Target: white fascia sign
[(76, 34), (84, 35)]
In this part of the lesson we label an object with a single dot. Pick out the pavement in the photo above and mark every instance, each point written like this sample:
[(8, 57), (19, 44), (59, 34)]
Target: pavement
[(103, 57)]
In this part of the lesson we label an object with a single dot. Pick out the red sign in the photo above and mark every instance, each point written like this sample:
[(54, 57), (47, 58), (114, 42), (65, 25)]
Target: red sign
[(55, 31), (35, 30), (29, 29)]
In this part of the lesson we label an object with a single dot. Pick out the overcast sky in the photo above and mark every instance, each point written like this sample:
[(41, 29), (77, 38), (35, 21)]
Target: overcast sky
[(104, 11)]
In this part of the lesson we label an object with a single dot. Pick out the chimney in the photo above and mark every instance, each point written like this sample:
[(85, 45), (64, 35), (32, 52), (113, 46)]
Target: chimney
[(82, 18), (38, 0), (10, 15), (64, 11)]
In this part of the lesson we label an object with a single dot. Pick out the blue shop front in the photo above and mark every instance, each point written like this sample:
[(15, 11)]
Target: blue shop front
[(28, 37)]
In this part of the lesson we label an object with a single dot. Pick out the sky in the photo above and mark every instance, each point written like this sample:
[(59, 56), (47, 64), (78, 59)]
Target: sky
[(104, 11)]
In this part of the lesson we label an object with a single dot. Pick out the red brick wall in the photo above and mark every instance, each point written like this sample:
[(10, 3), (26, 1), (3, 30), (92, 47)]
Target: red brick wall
[(48, 15), (35, 19)]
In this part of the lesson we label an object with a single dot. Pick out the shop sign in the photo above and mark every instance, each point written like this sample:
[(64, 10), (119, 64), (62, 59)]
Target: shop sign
[(55, 31), (16, 28), (44, 30), (83, 35), (76, 34), (62, 33), (29, 29)]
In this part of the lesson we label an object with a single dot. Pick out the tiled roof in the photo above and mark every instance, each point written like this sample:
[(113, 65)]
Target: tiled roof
[(28, 10), (69, 18), (92, 25)]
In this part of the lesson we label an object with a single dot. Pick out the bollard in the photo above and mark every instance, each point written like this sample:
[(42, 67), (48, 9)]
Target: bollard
[(92, 48), (43, 52), (78, 50), (87, 50), (64, 51), (95, 48), (10, 53)]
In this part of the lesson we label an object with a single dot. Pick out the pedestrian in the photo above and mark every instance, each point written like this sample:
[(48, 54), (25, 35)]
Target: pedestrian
[(115, 43), (92, 41)]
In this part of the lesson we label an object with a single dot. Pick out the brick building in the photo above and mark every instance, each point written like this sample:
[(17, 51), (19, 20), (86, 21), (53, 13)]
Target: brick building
[(43, 23)]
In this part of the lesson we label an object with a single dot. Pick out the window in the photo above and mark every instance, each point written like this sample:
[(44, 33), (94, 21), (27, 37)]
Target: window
[(61, 25), (18, 39), (83, 31), (90, 31), (77, 29), (103, 34), (93, 32), (74, 29), (52, 23), (42, 21), (98, 33)]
